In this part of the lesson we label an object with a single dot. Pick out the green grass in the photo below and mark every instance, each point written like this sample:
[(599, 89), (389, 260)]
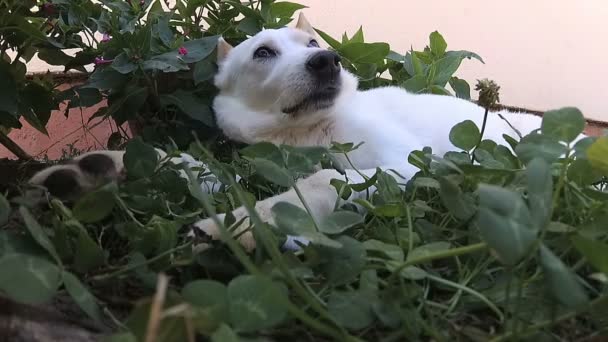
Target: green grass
[(511, 248)]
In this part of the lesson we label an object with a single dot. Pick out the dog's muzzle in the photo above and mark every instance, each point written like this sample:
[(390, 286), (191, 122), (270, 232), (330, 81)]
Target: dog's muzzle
[(325, 67)]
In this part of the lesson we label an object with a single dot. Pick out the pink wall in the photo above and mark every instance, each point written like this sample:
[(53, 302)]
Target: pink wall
[(75, 129)]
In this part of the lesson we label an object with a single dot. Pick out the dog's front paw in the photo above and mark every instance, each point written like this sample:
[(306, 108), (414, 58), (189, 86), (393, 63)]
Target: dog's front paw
[(245, 238)]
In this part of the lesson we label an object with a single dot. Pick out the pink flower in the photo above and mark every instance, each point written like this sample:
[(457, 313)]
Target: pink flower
[(106, 38), (182, 51), (102, 61)]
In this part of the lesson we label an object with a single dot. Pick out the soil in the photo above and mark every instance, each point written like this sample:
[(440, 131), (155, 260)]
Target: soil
[(13, 173)]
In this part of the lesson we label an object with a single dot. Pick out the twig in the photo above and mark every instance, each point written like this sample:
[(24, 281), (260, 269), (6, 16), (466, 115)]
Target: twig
[(157, 306), (12, 146)]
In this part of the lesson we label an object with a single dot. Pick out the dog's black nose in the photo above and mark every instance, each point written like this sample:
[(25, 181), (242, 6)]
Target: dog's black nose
[(324, 64)]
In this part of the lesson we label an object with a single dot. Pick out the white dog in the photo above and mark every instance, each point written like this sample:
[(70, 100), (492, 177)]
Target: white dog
[(279, 86)]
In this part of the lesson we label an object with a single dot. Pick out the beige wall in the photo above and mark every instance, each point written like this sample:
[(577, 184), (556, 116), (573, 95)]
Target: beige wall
[(544, 53)]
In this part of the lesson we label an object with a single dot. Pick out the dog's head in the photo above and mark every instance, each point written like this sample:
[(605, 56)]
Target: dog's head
[(282, 71)]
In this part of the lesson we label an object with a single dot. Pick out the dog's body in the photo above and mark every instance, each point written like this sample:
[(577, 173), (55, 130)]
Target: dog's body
[(280, 87)]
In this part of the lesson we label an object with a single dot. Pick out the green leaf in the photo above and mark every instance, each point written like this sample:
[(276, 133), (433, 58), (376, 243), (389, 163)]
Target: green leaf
[(438, 44), (416, 66), (160, 236), (343, 265), (465, 54), (460, 87), (352, 309), (596, 252), (140, 159), (563, 124), (225, 334), (446, 67), (428, 249), (5, 210), (105, 79), (203, 71), (582, 172), (123, 64), (82, 296), (28, 279), (264, 150), (284, 9), (342, 188), (540, 191), (416, 84), (94, 206), (256, 302), (364, 52), (392, 251), (88, 254), (459, 204), (597, 154), (358, 37), (338, 222), (294, 220), (439, 90), (465, 135), (426, 182), (561, 281), (125, 105), (38, 233), (199, 49), (167, 62), (334, 44), (539, 146), (9, 99), (189, 103), (273, 172), (210, 300), (505, 223)]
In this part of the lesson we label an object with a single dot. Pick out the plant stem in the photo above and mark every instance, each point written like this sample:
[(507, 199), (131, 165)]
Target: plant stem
[(483, 130), (301, 197), (129, 268), (441, 255), (544, 324), (12, 146)]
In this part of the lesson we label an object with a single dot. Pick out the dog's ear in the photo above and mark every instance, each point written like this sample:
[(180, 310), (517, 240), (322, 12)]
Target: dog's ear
[(304, 25), (223, 48)]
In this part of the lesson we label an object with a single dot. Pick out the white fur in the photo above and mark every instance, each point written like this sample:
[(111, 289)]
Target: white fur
[(390, 121)]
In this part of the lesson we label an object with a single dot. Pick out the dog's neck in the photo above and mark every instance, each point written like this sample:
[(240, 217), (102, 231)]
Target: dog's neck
[(241, 123)]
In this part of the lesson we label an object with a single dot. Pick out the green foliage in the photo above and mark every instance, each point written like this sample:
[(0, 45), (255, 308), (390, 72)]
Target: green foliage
[(488, 240), (427, 71), (509, 247), (155, 63)]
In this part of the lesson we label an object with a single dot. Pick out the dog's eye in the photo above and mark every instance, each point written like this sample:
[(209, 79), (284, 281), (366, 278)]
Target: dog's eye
[(313, 43), (264, 52)]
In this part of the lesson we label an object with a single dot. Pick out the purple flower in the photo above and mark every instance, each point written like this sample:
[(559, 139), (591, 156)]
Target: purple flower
[(182, 51), (102, 61), (106, 38)]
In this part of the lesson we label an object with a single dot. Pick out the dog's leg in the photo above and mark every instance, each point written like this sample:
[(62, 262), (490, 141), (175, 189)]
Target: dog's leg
[(319, 194)]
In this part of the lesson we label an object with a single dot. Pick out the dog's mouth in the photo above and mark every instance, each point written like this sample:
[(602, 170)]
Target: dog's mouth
[(319, 99)]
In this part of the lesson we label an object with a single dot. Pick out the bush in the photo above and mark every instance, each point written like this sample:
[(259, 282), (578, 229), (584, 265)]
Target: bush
[(154, 64)]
